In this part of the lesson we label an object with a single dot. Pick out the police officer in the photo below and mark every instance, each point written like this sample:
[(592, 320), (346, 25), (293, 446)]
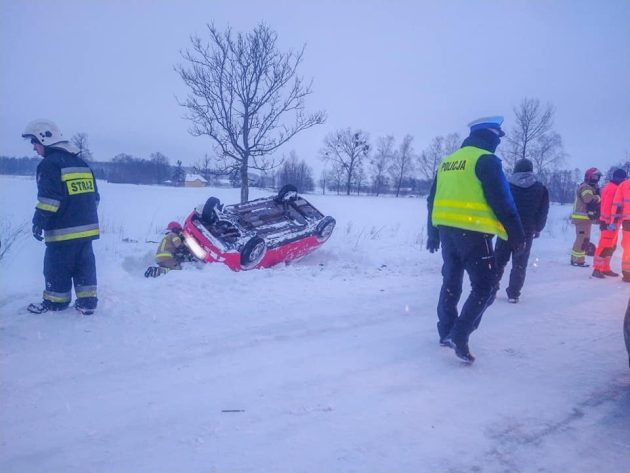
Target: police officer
[(470, 202), (67, 199)]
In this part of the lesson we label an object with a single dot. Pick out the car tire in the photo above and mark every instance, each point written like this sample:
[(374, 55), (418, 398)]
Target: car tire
[(288, 193), (208, 215), (325, 228), (253, 252)]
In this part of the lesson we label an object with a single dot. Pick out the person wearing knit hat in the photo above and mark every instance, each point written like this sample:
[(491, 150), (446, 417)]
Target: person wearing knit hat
[(532, 202), (609, 227), (621, 206)]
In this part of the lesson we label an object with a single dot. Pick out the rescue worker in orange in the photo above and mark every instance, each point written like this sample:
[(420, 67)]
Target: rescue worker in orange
[(609, 227), (622, 202), (169, 253), (585, 212)]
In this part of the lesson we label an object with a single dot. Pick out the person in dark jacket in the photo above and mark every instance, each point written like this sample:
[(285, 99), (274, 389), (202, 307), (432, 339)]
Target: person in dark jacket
[(470, 202), (66, 214), (532, 201)]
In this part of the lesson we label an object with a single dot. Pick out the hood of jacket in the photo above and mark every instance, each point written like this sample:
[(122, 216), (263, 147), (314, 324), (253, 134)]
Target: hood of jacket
[(523, 179)]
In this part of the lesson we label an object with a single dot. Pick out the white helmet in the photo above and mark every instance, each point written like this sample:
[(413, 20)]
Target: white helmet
[(44, 131)]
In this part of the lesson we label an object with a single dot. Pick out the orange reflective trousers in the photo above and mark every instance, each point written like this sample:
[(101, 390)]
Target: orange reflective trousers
[(605, 249)]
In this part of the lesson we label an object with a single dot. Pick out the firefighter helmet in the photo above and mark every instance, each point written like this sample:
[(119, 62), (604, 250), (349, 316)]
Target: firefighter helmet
[(44, 131), (174, 227), (592, 175)]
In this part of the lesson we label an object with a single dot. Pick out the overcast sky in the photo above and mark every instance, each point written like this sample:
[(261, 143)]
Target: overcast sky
[(424, 68)]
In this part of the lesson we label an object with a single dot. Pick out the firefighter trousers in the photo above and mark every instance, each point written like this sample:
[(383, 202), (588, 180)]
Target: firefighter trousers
[(67, 263), (582, 239)]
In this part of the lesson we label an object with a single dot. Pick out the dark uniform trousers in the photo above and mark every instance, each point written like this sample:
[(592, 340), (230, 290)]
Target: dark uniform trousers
[(65, 263), (470, 252), (520, 260)]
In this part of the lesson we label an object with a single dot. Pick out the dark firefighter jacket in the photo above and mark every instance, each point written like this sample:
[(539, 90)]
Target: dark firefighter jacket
[(67, 198)]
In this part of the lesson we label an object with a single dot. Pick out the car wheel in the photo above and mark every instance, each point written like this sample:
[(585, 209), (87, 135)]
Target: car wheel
[(208, 215), (325, 228), (287, 193), (253, 252)]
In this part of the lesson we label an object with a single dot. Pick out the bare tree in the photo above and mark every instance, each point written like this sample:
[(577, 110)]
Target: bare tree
[(346, 149), (323, 180), (296, 172), (359, 177), (547, 153), (242, 88), (533, 137), (561, 185), (80, 140), (381, 161), (161, 167), (334, 177), (179, 174), (204, 168), (402, 164), (440, 147)]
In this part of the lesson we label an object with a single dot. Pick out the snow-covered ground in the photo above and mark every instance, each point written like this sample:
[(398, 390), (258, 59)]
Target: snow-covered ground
[(330, 364)]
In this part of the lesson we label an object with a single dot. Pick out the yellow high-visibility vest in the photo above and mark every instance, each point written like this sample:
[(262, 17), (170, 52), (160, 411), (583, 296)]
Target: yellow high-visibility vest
[(459, 201)]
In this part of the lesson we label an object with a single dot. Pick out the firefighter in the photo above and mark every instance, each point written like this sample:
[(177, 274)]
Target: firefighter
[(622, 203), (66, 214), (609, 227), (470, 202), (585, 212), (170, 252)]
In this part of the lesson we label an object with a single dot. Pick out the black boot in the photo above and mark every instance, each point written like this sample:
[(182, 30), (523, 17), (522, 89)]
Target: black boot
[(598, 274), (611, 273), (37, 308), (463, 353), (581, 264)]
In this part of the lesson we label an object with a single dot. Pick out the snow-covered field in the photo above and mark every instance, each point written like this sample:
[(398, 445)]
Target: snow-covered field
[(330, 364)]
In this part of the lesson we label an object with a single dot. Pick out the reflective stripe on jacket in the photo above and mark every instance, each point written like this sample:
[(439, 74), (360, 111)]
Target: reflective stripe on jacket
[(608, 213), (168, 247), (585, 194), (621, 201), (67, 198), (459, 198)]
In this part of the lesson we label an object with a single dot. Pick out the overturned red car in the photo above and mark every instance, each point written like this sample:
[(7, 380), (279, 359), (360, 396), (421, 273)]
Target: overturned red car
[(256, 234)]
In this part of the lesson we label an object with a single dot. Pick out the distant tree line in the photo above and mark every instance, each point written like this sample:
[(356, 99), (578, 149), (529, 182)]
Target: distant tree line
[(353, 165)]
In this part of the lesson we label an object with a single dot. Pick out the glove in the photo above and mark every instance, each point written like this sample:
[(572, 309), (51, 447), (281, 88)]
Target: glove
[(433, 244), (37, 232), (611, 226), (536, 234)]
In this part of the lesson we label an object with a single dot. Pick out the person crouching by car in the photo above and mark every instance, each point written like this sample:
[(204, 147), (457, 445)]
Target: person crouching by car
[(169, 254)]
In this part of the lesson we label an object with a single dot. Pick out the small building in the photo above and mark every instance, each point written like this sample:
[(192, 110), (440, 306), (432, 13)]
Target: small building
[(195, 180)]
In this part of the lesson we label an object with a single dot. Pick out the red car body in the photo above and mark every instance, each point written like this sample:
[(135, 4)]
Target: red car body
[(256, 234)]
